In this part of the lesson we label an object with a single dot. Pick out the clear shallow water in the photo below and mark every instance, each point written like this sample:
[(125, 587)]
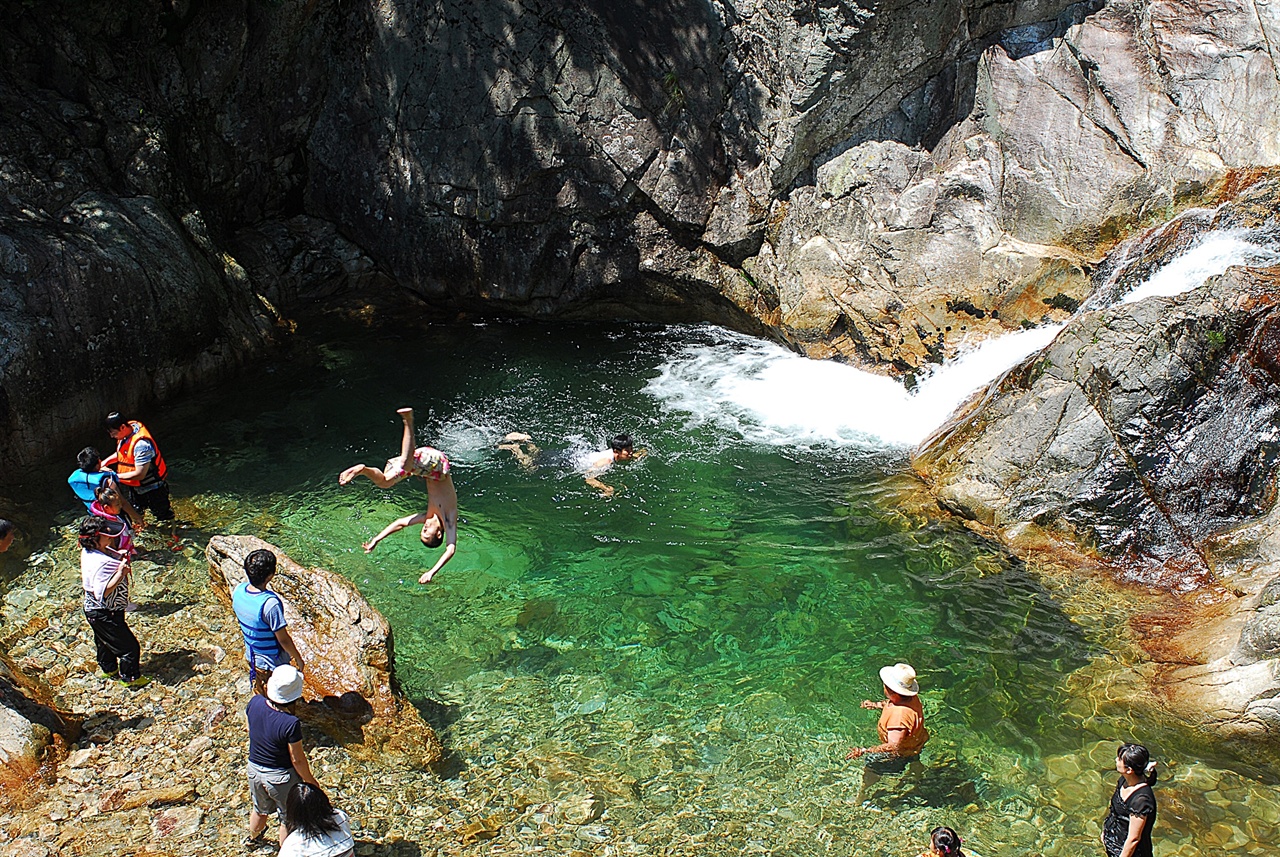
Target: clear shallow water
[(702, 639)]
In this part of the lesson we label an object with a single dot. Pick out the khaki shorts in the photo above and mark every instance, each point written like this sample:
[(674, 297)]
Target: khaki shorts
[(270, 788)]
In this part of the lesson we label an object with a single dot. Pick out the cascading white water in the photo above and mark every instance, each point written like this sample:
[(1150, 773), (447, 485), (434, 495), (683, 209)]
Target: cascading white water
[(1202, 260), (769, 395)]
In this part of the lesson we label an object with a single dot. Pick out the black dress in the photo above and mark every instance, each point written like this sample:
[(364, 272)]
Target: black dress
[(1115, 830)]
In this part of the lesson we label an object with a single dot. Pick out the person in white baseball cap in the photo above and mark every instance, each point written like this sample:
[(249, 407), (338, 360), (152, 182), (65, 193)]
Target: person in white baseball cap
[(901, 726), (277, 761)]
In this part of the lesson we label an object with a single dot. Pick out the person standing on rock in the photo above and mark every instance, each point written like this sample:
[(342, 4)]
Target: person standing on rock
[(1126, 831), (901, 726), (260, 612), (440, 520), (277, 760), (104, 574), (140, 468)]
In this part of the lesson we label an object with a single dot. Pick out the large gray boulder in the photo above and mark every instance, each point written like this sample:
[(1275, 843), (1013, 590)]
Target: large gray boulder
[(915, 237)]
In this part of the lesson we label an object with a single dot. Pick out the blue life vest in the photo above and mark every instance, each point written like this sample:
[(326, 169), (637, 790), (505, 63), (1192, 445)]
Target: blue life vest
[(85, 484), (258, 638)]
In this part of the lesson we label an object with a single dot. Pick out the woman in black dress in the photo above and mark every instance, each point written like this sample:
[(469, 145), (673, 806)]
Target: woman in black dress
[(1126, 832)]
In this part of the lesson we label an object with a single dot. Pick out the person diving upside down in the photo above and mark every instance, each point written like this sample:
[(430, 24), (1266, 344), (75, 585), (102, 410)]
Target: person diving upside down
[(440, 520)]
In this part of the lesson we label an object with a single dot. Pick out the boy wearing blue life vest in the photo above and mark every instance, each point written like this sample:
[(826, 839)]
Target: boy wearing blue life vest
[(260, 613)]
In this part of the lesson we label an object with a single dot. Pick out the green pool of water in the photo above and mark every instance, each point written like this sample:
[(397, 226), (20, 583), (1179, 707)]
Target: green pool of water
[(707, 634)]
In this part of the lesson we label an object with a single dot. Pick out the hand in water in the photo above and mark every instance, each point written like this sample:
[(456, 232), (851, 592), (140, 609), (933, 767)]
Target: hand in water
[(426, 578), (369, 546), (350, 473)]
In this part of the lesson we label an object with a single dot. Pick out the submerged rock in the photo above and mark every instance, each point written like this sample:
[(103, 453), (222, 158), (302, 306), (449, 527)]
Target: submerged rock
[(347, 645)]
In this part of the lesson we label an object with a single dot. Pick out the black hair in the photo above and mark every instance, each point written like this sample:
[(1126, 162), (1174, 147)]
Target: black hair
[(89, 528), (1136, 758), (259, 565), (6, 527), (89, 460), (307, 809), (106, 488), (114, 421), (945, 841), (435, 539), (621, 443)]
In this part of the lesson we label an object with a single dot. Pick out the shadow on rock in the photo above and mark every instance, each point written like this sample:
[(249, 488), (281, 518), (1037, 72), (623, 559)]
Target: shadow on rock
[(171, 668)]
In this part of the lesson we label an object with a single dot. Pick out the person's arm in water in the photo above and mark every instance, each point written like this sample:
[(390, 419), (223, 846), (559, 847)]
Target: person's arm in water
[(298, 757), (394, 527), (450, 548), (595, 483), (286, 643)]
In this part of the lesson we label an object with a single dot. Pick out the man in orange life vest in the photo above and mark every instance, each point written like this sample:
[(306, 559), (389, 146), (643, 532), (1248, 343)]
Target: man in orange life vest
[(139, 466)]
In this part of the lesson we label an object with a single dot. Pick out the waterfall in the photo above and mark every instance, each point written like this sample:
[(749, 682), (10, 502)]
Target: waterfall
[(766, 394)]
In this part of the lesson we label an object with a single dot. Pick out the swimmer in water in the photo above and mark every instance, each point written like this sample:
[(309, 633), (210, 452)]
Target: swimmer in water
[(440, 520), (621, 448)]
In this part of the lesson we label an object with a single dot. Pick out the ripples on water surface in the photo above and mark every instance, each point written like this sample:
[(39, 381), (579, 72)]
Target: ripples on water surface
[(706, 636)]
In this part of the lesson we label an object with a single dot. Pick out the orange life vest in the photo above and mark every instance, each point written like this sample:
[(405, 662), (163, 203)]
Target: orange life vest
[(124, 457)]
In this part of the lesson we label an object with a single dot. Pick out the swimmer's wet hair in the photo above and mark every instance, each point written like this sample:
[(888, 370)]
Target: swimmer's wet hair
[(621, 443), (434, 540)]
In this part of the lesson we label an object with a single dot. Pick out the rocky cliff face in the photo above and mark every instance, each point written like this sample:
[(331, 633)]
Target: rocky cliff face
[(871, 181), (1146, 435)]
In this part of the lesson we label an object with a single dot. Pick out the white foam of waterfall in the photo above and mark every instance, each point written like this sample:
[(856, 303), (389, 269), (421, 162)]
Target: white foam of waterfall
[(1211, 256), (766, 394)]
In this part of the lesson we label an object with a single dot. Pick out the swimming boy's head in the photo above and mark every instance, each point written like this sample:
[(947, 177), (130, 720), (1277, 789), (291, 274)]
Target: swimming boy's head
[(622, 447), (433, 532)]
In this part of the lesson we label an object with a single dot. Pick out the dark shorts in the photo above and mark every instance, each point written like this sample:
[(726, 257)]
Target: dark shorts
[(888, 763), (157, 500)]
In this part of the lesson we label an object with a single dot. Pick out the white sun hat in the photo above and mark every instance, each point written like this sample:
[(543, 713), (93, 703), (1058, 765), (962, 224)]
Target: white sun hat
[(900, 678), (285, 684)]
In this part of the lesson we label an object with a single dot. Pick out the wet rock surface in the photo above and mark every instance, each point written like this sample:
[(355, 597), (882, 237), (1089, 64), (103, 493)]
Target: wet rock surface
[(1141, 432)]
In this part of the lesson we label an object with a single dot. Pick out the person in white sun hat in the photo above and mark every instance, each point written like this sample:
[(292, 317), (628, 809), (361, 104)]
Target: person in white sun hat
[(277, 761), (902, 732)]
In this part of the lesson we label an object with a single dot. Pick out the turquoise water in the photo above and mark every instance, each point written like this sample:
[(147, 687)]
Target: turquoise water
[(717, 621)]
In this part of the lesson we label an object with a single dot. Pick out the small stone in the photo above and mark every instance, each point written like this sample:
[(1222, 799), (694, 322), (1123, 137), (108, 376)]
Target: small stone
[(80, 757), (198, 746), (176, 822)]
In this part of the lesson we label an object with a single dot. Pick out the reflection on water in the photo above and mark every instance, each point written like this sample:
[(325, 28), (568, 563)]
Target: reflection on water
[(706, 636)]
